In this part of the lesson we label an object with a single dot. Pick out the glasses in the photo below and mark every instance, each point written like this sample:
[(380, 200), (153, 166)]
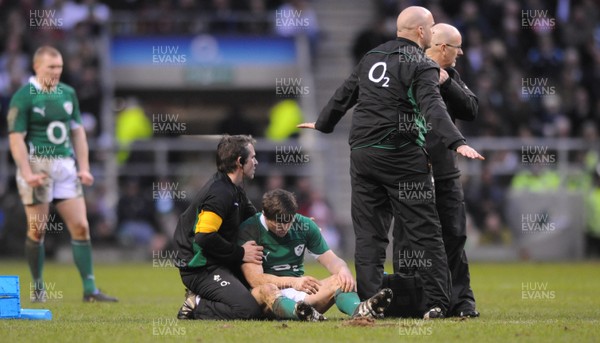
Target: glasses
[(454, 46)]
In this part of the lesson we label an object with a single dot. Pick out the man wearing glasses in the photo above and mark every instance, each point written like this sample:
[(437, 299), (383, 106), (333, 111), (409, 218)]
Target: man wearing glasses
[(462, 104)]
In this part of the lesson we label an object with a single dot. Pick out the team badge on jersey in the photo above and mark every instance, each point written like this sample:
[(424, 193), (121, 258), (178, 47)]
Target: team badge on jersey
[(68, 107), (299, 249)]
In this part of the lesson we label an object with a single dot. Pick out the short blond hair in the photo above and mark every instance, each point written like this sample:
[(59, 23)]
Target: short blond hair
[(45, 50)]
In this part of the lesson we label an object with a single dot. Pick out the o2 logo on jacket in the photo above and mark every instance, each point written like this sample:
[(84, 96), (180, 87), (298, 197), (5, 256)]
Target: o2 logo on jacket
[(382, 76)]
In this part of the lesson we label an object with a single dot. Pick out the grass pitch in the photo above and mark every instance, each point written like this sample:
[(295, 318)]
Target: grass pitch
[(523, 302)]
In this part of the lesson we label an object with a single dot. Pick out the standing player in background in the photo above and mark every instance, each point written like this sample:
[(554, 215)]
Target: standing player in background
[(45, 132), (449, 198), (208, 256), (396, 90)]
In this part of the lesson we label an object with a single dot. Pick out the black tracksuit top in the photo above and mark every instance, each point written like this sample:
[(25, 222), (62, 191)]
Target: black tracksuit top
[(223, 197), (462, 104), (396, 89)]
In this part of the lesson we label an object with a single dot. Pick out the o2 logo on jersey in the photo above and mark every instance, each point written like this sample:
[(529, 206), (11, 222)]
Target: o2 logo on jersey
[(386, 80), (281, 267)]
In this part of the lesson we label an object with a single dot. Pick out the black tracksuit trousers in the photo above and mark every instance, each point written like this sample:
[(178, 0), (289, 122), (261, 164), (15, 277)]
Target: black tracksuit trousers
[(397, 184), (223, 295), (450, 205)]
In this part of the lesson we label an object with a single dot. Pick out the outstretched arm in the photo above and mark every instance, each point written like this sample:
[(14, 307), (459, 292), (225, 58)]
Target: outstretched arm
[(306, 125), (344, 98), (435, 112)]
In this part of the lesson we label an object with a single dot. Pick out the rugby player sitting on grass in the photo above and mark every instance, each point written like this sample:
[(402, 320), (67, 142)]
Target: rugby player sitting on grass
[(285, 236)]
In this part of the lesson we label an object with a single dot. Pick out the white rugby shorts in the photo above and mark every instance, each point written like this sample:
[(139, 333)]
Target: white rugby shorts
[(293, 294), (62, 181)]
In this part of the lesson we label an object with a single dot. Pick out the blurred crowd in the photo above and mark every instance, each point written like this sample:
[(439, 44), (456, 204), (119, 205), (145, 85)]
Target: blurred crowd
[(534, 65)]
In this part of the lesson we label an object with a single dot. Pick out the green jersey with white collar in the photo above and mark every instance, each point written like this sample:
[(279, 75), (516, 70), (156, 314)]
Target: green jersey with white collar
[(46, 117), (284, 256)]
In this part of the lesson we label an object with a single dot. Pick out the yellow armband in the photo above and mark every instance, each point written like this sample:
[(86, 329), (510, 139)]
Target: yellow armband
[(208, 222)]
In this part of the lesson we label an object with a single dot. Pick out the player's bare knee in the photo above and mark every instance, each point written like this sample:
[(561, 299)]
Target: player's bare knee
[(269, 288), (333, 282), (269, 292), (80, 230), (35, 234)]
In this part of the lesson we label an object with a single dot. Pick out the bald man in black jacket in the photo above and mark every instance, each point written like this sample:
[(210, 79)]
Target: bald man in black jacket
[(395, 88), (462, 104)]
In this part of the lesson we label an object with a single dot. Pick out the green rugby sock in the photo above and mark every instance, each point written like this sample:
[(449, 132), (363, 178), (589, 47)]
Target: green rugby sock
[(346, 302), (34, 252), (283, 308), (82, 254)]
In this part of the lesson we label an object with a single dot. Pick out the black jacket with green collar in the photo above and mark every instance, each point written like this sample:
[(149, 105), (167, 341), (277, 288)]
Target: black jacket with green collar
[(395, 88)]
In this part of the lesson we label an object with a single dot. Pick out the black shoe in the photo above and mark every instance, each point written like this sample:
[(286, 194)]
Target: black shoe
[(307, 313), (375, 305), (189, 304), (98, 297), (468, 314), (38, 296), (434, 313)]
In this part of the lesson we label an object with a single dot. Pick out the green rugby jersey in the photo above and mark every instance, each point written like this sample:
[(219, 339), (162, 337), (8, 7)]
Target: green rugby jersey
[(284, 256), (46, 117)]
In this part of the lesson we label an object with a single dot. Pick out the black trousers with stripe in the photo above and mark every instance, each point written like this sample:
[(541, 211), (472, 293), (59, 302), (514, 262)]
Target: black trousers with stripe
[(397, 184)]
